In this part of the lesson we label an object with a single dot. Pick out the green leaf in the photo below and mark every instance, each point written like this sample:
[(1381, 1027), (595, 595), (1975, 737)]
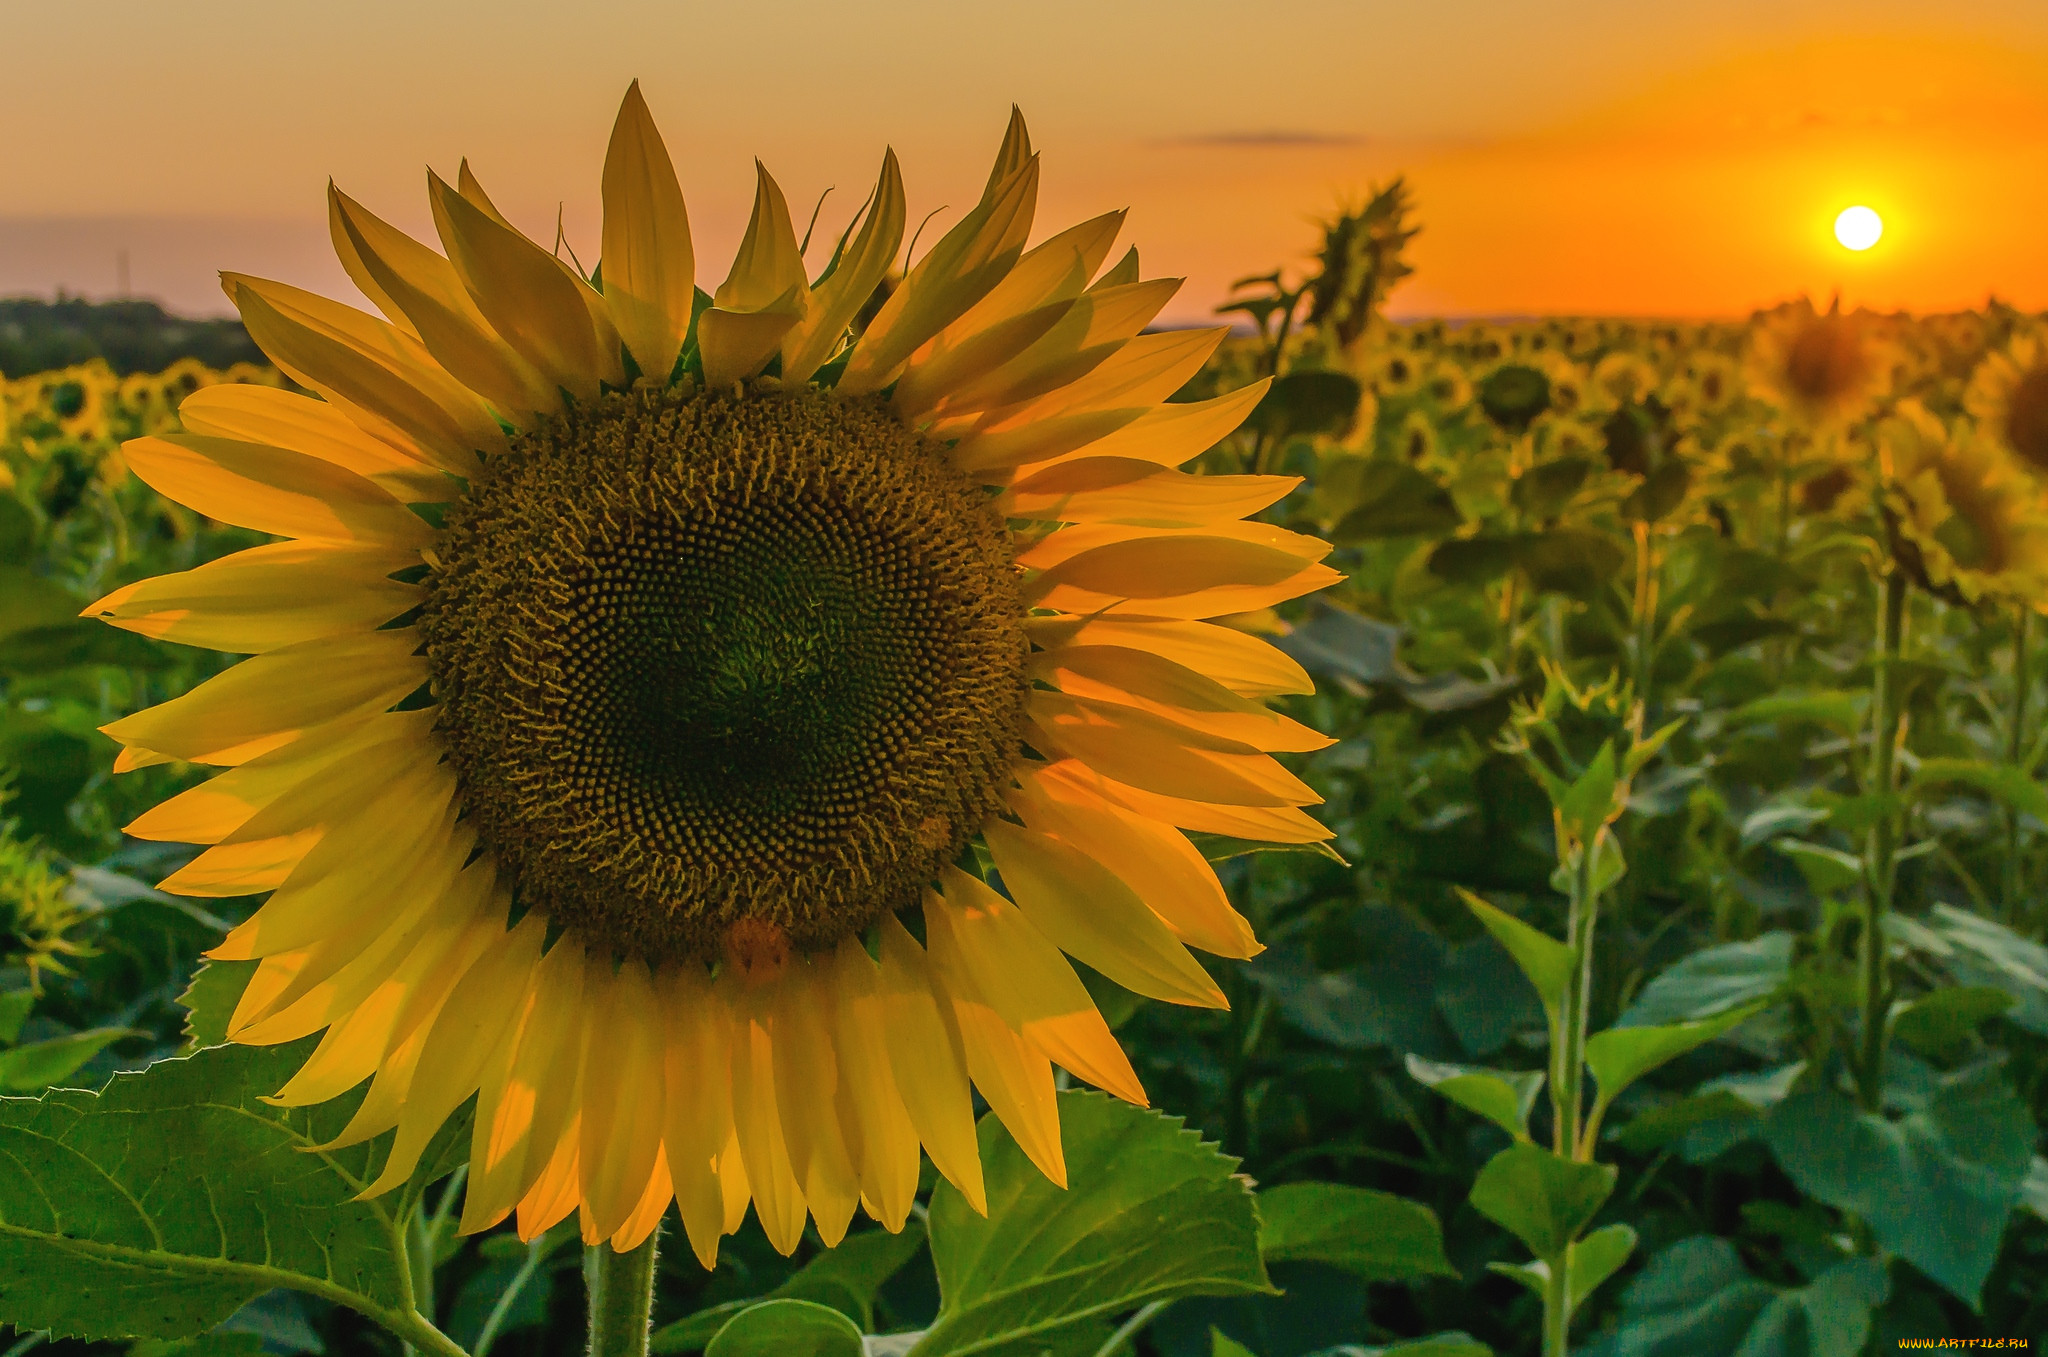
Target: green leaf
[(1621, 1055), (1452, 1344), (1396, 500), (1828, 871), (1942, 1022), (1309, 401), (2034, 1188), (1597, 1257), (1221, 848), (1589, 803), (29, 600), (209, 1001), (206, 1345), (1546, 961), (786, 1328), (1543, 1199), (14, 1009), (2001, 782), (1714, 981), (1503, 1097), (1936, 1187), (1375, 1236), (160, 1206), (846, 1278), (1695, 1299), (1979, 951), (1222, 1345), (28, 1068), (1335, 641), (1838, 709), (1544, 489), (1151, 1212)]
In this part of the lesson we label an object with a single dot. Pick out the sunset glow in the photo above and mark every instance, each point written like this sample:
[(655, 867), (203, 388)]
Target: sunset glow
[(1858, 228)]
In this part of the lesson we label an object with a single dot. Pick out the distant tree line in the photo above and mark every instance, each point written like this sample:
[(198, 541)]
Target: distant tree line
[(132, 336)]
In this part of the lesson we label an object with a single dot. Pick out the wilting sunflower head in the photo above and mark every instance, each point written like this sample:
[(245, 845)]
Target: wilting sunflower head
[(1963, 515), (1513, 395), (1826, 369), (2008, 395), (638, 683)]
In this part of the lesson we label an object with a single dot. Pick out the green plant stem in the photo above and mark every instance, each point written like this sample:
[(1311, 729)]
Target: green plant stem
[(1568, 1053), (1881, 852), (2015, 752), (1557, 1311), (1645, 607), (1121, 1339), (621, 1288), (1244, 1055), (538, 1250)]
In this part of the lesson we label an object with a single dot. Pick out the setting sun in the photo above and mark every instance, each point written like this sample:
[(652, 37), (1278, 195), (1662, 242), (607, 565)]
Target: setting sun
[(1858, 228)]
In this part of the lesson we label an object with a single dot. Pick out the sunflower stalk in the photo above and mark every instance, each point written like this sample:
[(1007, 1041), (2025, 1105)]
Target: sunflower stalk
[(621, 1291), (1880, 861)]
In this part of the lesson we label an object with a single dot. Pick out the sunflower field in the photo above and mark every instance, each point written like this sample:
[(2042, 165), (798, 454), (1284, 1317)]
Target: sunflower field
[(1633, 944)]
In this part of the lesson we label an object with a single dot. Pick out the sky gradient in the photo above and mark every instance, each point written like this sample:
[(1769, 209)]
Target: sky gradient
[(1576, 156)]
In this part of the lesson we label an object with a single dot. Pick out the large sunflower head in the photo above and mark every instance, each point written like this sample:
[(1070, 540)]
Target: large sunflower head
[(2008, 395), (649, 679), (1963, 512), (1825, 368)]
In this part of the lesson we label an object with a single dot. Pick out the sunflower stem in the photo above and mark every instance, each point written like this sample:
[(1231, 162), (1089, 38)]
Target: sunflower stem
[(621, 1289), (2015, 752), (1881, 851)]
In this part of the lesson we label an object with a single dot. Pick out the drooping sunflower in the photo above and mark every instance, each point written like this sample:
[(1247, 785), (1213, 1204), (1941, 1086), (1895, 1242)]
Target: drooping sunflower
[(1826, 368), (2008, 395), (1969, 522), (648, 681)]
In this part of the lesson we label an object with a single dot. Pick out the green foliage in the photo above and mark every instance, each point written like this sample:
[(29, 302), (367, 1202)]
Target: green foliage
[(787, 1328), (1375, 1236), (1543, 1199)]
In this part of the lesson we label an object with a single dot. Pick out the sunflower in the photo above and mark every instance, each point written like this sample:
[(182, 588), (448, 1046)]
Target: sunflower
[(1967, 516), (1824, 368), (643, 779), (2008, 395), (1621, 378)]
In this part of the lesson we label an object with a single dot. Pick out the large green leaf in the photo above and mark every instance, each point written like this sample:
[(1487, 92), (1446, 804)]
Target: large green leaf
[(161, 1205), (1396, 500), (14, 1008), (1695, 1299), (1541, 1198), (1436, 1345), (1980, 951), (845, 1278), (2002, 782), (1339, 642), (1936, 1187), (1713, 981), (1151, 1212), (1503, 1097), (786, 1328), (1941, 1022), (1376, 1236)]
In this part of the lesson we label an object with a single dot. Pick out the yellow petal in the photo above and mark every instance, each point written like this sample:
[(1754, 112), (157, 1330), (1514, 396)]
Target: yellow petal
[(1013, 968), (734, 345), (1138, 678), (1155, 860), (994, 455), (527, 1101), (422, 287), (699, 1125), (806, 1095), (216, 808), (1147, 751), (648, 265), (277, 696), (1093, 916), (622, 1097), (1088, 335), (1126, 490), (959, 271), (768, 267), (458, 1046), (1244, 664), (285, 419), (1201, 574), (523, 291), (646, 1216), (778, 1197), (929, 1061), (1057, 548), (1143, 372), (392, 783), (556, 1192), (1012, 1075), (1125, 270), (1012, 155), (386, 382), (273, 490), (878, 1128), (1174, 433), (1268, 824), (857, 270), (267, 597)]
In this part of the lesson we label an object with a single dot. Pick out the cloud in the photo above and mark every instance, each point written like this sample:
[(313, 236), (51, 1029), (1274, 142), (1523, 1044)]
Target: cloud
[(1259, 138)]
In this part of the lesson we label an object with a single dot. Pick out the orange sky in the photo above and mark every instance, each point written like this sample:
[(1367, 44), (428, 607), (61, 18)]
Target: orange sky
[(1585, 156)]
